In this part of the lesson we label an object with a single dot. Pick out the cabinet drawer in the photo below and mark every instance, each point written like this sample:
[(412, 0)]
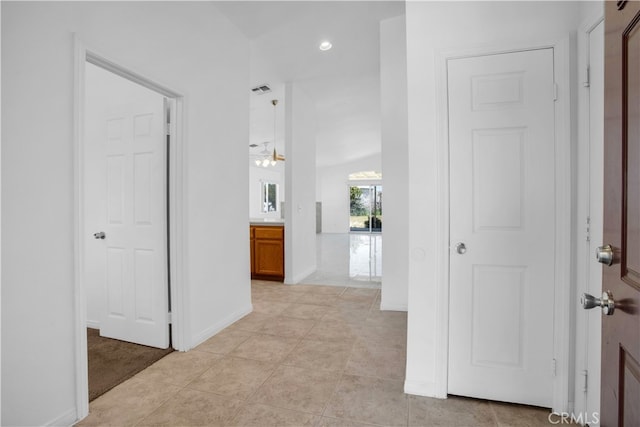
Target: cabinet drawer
[(269, 232)]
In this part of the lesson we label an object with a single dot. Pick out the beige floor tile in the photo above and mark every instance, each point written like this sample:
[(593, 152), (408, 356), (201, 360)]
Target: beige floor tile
[(362, 292), (451, 412), (317, 298), (337, 422), (266, 348), (128, 403), (362, 299), (278, 293), (233, 377), (272, 308), (376, 361), (333, 331), (288, 327), (179, 368), (388, 319), (252, 322), (324, 355), (194, 408), (299, 288), (383, 336), (225, 341), (346, 315), (511, 415), (268, 416), (327, 290), (306, 311), (297, 389), (369, 400)]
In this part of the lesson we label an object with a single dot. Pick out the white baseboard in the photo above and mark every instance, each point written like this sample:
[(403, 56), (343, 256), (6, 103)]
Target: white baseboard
[(213, 330), (422, 389), (93, 324), (68, 418)]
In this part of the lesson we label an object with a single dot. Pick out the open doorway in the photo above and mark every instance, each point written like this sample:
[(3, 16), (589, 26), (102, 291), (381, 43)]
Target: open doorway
[(125, 217)]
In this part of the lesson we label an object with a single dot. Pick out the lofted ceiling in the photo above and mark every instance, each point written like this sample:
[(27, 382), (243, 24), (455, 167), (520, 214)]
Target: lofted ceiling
[(343, 82)]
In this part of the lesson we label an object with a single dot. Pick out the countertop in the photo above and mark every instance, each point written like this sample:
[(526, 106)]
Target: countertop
[(266, 221)]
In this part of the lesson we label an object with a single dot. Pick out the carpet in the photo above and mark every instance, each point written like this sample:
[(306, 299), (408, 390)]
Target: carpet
[(112, 362)]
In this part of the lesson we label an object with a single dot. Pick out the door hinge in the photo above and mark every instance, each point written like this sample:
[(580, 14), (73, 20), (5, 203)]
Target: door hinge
[(554, 368), (555, 91), (169, 318), (588, 230), (587, 82), (168, 128), (585, 382)]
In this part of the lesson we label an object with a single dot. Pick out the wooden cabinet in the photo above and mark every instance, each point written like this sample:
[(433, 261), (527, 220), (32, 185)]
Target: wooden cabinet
[(267, 252)]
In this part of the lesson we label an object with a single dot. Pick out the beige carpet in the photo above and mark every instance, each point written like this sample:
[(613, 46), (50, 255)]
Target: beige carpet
[(112, 361)]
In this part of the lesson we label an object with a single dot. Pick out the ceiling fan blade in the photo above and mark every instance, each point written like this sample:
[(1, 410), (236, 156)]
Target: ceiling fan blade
[(277, 156)]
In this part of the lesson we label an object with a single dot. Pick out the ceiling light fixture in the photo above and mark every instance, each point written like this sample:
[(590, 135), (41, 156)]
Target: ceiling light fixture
[(270, 159), (325, 45)]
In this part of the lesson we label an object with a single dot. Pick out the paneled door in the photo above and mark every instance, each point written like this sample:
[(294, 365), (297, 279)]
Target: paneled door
[(126, 204), (502, 216), (620, 381)]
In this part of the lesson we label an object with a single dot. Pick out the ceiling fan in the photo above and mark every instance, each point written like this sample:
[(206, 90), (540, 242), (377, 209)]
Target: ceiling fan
[(266, 153), (269, 157)]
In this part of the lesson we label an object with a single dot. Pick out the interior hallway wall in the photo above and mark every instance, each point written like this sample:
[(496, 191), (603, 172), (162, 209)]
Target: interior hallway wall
[(433, 28), (300, 206), (189, 47), (395, 163)]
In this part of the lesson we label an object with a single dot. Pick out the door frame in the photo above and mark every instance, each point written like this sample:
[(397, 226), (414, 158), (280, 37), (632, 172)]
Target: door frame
[(584, 201), (177, 188), (562, 345)]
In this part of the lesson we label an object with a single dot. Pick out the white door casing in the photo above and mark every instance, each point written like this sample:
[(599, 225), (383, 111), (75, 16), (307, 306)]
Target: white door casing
[(596, 182), (125, 197), (502, 207)]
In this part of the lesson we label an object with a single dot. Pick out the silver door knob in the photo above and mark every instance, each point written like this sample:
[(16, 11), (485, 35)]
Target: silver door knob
[(461, 248), (604, 254), (607, 303), (99, 235)]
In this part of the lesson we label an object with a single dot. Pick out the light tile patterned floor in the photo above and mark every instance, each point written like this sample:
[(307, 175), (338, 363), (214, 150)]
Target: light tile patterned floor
[(307, 356)]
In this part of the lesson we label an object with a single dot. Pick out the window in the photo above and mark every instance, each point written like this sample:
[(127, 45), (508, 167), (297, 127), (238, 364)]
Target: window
[(365, 208), (269, 197)]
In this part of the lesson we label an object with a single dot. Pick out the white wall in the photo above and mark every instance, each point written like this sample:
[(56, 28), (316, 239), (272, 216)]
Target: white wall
[(258, 175), (434, 27), (104, 91), (333, 191), (188, 47), (300, 178), (395, 161)]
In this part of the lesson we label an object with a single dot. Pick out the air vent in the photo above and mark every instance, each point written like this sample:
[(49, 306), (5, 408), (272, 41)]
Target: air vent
[(262, 89)]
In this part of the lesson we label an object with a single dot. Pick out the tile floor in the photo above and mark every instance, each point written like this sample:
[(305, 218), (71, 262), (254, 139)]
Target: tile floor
[(306, 356)]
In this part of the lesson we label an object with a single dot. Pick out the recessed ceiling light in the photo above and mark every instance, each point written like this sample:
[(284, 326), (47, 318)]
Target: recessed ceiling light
[(325, 45)]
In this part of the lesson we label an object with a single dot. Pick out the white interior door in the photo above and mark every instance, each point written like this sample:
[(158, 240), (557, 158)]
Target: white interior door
[(125, 195), (501, 130)]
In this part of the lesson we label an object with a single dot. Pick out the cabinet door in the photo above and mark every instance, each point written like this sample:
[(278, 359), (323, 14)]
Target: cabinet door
[(269, 257), (252, 249)]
